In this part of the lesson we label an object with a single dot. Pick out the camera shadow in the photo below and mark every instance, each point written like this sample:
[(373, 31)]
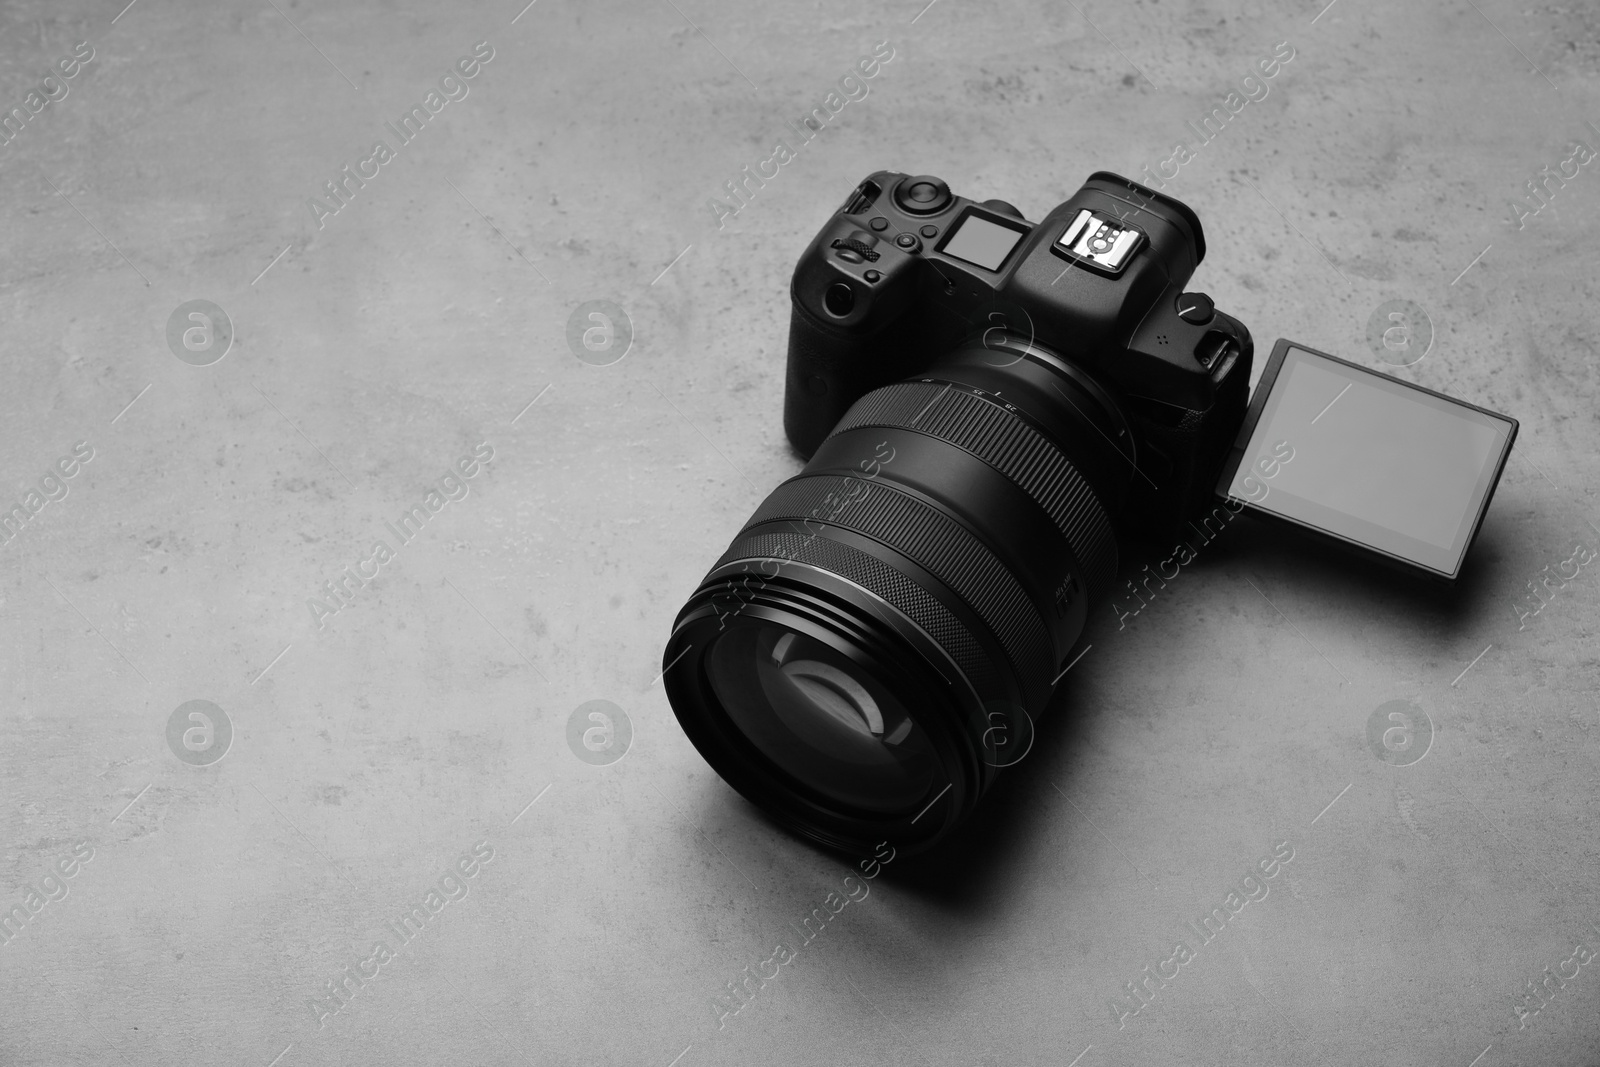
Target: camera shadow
[(1022, 809), (1378, 594)]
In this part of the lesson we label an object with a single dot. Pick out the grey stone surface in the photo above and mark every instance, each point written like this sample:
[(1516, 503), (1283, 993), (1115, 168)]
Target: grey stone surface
[(374, 347)]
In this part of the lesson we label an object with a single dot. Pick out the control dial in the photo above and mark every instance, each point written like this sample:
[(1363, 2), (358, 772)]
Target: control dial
[(922, 195)]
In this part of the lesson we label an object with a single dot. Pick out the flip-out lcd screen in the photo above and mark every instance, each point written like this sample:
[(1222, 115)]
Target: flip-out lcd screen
[(1366, 458)]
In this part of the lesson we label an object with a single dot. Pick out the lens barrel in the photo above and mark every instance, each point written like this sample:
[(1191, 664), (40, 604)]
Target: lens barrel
[(878, 640)]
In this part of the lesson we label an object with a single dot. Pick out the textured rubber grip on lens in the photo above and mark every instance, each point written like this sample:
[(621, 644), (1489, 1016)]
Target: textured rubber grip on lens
[(930, 538), (1009, 444), (894, 587)]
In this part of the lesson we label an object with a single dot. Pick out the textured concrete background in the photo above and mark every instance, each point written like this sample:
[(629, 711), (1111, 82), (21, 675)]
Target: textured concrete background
[(367, 755)]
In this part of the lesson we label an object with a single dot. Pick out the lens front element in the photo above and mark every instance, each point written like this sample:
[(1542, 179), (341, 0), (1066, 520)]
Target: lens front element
[(820, 718)]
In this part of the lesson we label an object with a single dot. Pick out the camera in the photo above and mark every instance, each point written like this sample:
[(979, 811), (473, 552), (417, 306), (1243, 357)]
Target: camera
[(987, 406)]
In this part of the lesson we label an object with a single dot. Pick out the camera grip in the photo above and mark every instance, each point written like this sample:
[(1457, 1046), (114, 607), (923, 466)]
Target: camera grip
[(829, 369)]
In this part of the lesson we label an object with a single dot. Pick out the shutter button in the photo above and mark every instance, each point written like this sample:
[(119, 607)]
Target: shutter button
[(1195, 308)]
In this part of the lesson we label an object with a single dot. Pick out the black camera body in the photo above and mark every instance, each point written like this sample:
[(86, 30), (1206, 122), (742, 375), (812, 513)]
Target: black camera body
[(905, 271)]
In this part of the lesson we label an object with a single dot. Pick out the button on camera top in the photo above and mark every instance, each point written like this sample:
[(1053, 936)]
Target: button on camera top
[(1195, 308), (879, 223), (922, 195), (909, 242), (930, 231)]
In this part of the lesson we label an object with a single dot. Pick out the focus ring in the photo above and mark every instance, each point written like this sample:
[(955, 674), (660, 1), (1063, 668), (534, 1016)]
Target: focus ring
[(928, 537), (1006, 442), (893, 586)]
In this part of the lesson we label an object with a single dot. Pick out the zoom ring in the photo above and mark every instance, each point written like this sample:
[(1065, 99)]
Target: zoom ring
[(890, 585), (929, 538), (1006, 442)]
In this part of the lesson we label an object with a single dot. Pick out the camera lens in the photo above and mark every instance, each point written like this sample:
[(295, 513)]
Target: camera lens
[(876, 643), (821, 719)]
